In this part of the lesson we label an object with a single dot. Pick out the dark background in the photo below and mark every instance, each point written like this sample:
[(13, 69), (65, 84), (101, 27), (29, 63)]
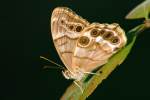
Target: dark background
[(29, 81)]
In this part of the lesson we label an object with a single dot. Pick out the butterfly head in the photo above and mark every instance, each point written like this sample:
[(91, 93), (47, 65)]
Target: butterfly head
[(78, 74)]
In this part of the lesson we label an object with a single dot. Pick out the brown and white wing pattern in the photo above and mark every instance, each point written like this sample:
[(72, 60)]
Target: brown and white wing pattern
[(96, 45), (83, 46), (66, 28)]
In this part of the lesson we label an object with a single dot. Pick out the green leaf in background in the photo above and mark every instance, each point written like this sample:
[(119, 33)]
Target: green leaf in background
[(141, 11), (73, 92)]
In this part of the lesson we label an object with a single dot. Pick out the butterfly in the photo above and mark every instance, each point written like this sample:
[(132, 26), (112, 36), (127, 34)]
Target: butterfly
[(83, 46)]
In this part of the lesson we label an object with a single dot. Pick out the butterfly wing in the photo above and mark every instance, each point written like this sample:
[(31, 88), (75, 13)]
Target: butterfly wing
[(66, 28), (97, 44)]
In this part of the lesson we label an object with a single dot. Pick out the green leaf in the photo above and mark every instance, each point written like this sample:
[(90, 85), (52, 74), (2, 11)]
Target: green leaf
[(141, 11), (73, 92)]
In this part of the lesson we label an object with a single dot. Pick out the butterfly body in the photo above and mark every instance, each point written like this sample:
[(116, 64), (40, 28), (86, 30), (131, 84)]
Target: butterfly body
[(82, 46)]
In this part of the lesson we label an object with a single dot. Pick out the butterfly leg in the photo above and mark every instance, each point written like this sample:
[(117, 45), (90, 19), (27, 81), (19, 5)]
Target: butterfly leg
[(78, 85), (92, 73)]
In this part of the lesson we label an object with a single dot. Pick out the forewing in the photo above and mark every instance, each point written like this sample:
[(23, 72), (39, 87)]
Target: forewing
[(66, 27)]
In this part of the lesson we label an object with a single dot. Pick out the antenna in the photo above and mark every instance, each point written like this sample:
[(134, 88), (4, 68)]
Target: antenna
[(61, 67), (52, 67)]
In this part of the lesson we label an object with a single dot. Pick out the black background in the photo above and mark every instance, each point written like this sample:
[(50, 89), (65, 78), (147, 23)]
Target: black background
[(29, 81)]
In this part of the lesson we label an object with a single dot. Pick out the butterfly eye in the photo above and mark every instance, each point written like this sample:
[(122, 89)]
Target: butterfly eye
[(94, 33), (107, 35), (115, 40), (83, 41), (79, 28)]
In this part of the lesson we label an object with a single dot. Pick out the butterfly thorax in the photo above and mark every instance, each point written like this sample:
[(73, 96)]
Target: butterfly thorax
[(78, 74)]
